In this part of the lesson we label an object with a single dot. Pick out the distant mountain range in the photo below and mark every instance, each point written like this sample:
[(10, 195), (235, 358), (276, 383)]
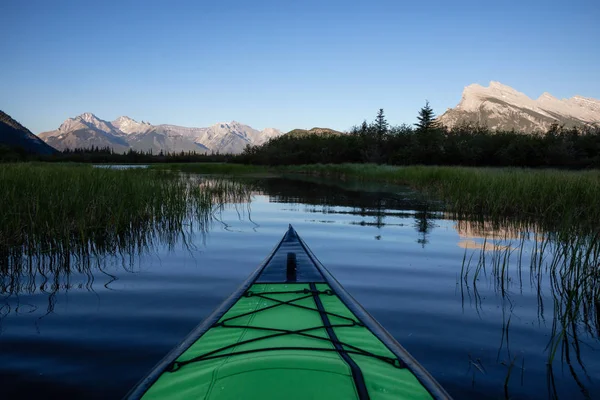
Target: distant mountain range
[(124, 133), (500, 107), (13, 134)]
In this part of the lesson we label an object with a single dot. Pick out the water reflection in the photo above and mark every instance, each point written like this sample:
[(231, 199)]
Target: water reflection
[(374, 207), (506, 256), (54, 264), (509, 269), (564, 263)]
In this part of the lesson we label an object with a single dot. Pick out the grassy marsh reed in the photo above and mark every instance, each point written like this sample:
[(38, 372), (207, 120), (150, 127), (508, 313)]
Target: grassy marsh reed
[(540, 226), (554, 198), (565, 262), (57, 218), (559, 198)]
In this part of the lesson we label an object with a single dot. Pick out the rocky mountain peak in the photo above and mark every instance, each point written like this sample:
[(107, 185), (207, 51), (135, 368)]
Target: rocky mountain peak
[(124, 118), (495, 85), (546, 96), (125, 132), (129, 125), (88, 117), (501, 107), (86, 120), (228, 125)]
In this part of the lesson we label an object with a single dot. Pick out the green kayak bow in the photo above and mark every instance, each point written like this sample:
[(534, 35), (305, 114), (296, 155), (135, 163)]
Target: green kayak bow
[(290, 331)]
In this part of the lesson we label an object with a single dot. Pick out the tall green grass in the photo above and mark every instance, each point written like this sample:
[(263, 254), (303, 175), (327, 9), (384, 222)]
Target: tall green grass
[(559, 198), (58, 216), (556, 197)]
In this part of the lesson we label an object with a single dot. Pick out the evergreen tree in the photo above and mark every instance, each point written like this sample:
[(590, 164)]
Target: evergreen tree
[(364, 128), (426, 118), (378, 131), (429, 138), (381, 124)]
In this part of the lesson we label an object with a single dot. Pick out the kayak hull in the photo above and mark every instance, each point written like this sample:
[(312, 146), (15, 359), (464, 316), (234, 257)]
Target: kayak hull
[(289, 331)]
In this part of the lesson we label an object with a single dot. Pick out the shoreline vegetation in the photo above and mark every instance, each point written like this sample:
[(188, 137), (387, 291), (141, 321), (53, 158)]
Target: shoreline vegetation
[(49, 208), (558, 198), (54, 215), (426, 143), (475, 171)]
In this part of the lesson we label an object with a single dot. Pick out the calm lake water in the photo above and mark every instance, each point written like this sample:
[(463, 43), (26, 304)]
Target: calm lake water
[(484, 333)]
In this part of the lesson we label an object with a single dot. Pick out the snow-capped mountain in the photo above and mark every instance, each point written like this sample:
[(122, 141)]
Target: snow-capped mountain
[(128, 125), (87, 130), (501, 107)]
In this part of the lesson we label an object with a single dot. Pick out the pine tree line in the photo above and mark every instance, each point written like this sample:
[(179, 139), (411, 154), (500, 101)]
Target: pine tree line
[(96, 154), (429, 143), (426, 142)]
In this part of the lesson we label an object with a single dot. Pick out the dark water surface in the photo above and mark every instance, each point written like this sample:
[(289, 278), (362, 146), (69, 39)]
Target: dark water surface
[(483, 334)]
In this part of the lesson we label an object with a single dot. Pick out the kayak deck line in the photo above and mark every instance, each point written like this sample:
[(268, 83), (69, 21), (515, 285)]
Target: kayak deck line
[(357, 375), (315, 293), (289, 331)]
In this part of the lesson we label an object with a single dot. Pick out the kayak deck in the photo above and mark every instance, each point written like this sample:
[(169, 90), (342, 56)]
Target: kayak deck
[(274, 342), (289, 332)]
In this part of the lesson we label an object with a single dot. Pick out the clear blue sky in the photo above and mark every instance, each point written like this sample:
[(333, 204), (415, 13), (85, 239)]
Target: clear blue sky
[(284, 64)]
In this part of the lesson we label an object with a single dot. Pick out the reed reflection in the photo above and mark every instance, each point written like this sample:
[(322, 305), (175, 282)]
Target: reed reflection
[(62, 223), (565, 263)]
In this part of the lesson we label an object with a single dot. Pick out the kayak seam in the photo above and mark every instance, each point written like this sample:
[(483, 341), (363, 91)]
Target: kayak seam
[(357, 376)]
